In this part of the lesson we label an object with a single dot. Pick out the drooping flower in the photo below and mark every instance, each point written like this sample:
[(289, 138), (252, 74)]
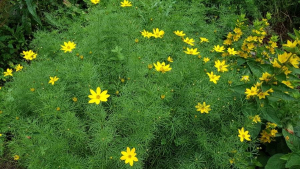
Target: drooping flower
[(129, 156), (213, 78), (158, 33), (95, 1), (19, 67), (203, 108), (126, 3), (29, 55), (8, 72), (221, 66), (53, 80), (191, 51), (68, 46), (189, 41), (146, 34), (162, 67), (170, 59), (202, 39), (98, 96), (219, 48), (244, 135), (179, 33)]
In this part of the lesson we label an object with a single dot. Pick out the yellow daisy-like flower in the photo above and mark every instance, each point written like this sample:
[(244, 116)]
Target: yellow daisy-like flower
[(245, 78), (284, 57), (262, 95), (213, 78), (29, 55), (231, 51), (203, 108), (68, 46), (95, 1), (146, 34), (19, 67), (98, 96), (129, 156), (221, 66), (16, 157), (170, 59), (256, 119), (219, 48), (288, 84), (158, 33), (53, 80), (265, 77), (8, 72), (189, 41), (191, 51), (244, 135), (162, 67), (179, 33), (290, 44), (206, 59), (202, 39), (252, 92), (126, 3)]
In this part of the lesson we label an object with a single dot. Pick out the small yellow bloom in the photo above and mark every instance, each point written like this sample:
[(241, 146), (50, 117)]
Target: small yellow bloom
[(191, 51), (150, 66), (126, 3), (32, 89), (202, 39), (265, 77), (189, 41), (16, 157), (213, 78), (129, 156), (98, 96), (158, 33), (262, 95), (8, 72), (179, 33), (170, 59), (68, 46), (19, 67), (162, 96), (29, 55), (290, 44), (53, 80), (244, 135), (203, 108), (273, 132), (206, 59), (162, 67), (136, 40), (221, 66), (252, 92), (74, 99), (122, 80), (245, 78), (219, 48), (95, 1), (231, 51), (57, 108), (288, 84), (256, 119), (146, 34), (284, 57)]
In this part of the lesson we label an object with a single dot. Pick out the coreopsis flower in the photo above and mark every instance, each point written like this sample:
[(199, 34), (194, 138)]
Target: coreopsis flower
[(53, 80), (158, 33), (98, 96), (221, 66), (231, 51), (95, 1), (284, 57), (229, 35), (290, 44), (203, 108), (126, 3), (258, 84), (189, 41), (146, 34), (8, 72), (262, 95), (227, 42), (244, 135), (179, 33), (68, 46), (219, 48), (265, 77), (245, 78), (29, 55), (206, 59), (288, 84), (202, 39), (170, 59), (238, 31), (256, 119), (191, 51), (252, 92), (16, 157), (213, 78), (129, 156), (19, 67), (162, 67)]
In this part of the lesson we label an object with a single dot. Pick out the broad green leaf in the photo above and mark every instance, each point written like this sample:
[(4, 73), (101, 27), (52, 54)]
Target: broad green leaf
[(270, 114), (294, 160), (240, 88), (292, 141), (255, 68), (32, 11), (275, 162)]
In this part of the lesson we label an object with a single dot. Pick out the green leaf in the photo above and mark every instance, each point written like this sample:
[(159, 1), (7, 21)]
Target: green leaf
[(255, 68), (240, 88), (295, 70), (297, 33), (282, 96), (32, 11), (275, 162), (285, 157), (294, 160), (270, 114), (293, 142)]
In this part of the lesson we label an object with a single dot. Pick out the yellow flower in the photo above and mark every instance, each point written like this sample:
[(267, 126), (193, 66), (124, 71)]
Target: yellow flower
[(229, 35), (53, 80), (158, 33), (273, 132), (288, 84), (251, 92), (150, 66), (245, 78), (290, 44), (98, 96), (213, 78), (203, 108), (29, 55), (32, 89), (231, 51), (219, 48), (170, 59), (286, 70), (238, 31), (271, 125), (284, 57), (202, 39), (258, 84), (275, 63), (16, 157), (256, 119), (19, 67), (68, 46), (95, 1), (129, 156), (74, 99), (206, 59), (262, 95), (162, 67), (191, 51), (57, 108), (162, 96), (8, 72), (265, 137), (189, 41), (227, 42), (244, 135), (265, 77), (221, 66), (294, 60), (179, 33), (126, 3), (146, 34)]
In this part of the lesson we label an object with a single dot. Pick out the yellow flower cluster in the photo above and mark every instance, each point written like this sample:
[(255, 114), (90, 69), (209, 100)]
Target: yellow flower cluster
[(268, 134), (156, 33)]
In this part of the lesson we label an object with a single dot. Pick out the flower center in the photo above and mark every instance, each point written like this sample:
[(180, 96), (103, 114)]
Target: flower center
[(68, 47), (129, 156), (98, 96)]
